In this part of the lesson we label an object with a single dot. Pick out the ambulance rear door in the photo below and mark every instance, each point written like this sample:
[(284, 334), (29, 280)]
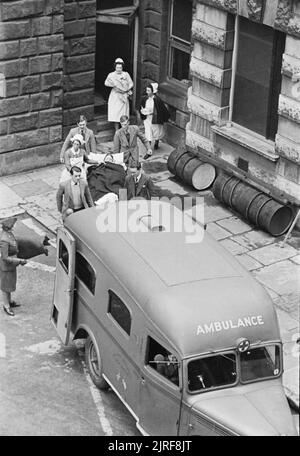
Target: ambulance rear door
[(62, 306)]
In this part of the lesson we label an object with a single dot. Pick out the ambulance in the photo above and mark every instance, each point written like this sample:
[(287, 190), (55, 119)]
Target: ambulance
[(172, 322)]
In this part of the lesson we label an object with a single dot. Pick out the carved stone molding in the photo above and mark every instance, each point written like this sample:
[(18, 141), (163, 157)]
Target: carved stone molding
[(228, 5), (212, 35), (290, 65), (290, 109), (255, 9)]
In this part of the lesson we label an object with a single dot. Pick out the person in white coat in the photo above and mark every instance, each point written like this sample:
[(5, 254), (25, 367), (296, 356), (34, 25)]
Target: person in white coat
[(121, 84)]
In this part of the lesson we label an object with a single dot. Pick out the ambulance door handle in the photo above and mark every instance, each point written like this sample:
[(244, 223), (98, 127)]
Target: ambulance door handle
[(143, 381)]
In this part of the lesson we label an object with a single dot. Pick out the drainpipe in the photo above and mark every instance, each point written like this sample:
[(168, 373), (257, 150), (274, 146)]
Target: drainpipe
[(234, 63)]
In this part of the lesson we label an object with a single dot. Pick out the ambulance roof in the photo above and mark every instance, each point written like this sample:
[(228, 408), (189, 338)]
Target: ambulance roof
[(196, 293)]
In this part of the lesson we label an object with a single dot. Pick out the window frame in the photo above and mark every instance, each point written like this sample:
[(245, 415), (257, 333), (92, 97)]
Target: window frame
[(154, 371), (213, 388), (112, 294), (63, 265), (93, 269), (175, 42), (278, 47)]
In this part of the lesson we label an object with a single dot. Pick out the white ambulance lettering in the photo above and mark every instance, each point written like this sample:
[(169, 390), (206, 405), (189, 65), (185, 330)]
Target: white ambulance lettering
[(218, 326), (254, 320), (209, 328), (225, 325)]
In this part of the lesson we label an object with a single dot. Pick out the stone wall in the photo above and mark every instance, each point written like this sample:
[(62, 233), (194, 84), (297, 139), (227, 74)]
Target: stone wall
[(276, 170), (153, 46), (31, 60), (210, 68), (79, 60)]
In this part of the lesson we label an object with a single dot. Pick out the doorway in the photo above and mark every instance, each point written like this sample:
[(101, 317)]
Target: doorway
[(116, 36)]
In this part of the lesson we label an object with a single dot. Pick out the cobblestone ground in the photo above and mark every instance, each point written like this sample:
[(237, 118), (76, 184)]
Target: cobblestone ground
[(277, 267)]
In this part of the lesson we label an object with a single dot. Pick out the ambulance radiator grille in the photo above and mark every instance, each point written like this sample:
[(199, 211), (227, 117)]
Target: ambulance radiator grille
[(209, 428)]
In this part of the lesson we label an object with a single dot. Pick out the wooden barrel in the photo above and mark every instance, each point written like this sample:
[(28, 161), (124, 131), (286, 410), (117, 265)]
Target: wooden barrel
[(257, 207), (199, 174), (173, 158), (182, 162)]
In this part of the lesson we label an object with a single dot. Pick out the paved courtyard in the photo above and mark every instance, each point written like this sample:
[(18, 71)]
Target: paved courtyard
[(277, 267)]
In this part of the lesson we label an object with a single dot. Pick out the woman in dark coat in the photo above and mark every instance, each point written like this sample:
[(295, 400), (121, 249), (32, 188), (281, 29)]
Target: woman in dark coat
[(154, 114), (8, 264)]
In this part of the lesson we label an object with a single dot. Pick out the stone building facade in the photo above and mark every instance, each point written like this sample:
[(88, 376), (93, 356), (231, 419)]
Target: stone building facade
[(238, 111), (269, 162)]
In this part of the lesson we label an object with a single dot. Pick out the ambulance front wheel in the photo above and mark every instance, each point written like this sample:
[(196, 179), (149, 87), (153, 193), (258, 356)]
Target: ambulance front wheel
[(94, 364)]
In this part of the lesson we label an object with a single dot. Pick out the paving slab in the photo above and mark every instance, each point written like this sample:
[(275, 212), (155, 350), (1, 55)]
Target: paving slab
[(11, 212), (215, 213), (296, 259), (39, 214), (273, 253), (254, 239), (172, 187), (282, 277), (285, 320), (47, 202), (15, 179), (290, 302), (273, 295), (233, 247), (234, 225), (33, 187), (248, 262), (8, 197), (217, 231)]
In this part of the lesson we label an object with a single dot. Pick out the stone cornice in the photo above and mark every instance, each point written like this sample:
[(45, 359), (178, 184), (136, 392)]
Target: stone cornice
[(227, 5), (287, 148), (283, 18), (289, 108), (212, 35)]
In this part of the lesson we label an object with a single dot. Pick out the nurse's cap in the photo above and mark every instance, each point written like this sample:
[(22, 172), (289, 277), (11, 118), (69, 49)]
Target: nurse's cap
[(119, 60)]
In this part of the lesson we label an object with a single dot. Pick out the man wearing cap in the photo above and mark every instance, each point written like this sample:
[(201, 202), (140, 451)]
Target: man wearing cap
[(89, 141), (125, 140), (73, 195), (8, 264)]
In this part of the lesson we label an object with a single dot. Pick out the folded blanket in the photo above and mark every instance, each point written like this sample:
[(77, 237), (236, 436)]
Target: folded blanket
[(105, 178)]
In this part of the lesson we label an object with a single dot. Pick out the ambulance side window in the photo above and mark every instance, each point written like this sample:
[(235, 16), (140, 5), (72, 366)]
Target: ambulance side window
[(63, 255), (119, 312), (163, 361), (85, 272)]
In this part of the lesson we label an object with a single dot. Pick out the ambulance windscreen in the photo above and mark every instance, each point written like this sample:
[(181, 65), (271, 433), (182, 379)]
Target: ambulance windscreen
[(212, 372)]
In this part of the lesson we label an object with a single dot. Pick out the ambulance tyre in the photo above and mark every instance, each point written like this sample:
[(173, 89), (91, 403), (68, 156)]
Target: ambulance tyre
[(94, 365)]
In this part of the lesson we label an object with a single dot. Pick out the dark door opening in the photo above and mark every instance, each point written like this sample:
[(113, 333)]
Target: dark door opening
[(113, 40)]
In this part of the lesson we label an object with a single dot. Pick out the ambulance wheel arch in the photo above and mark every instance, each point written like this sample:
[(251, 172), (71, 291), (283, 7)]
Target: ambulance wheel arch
[(94, 363)]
